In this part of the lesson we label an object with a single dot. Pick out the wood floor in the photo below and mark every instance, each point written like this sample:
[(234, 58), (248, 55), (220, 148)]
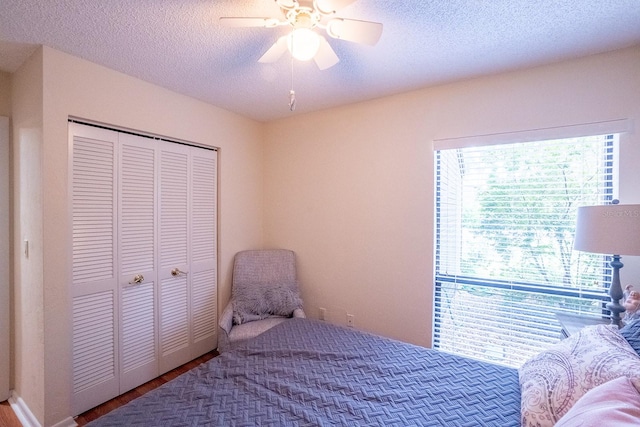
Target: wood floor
[(9, 419), (7, 416)]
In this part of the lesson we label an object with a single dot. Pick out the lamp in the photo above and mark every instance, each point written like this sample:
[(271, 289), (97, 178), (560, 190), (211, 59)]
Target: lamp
[(614, 230)]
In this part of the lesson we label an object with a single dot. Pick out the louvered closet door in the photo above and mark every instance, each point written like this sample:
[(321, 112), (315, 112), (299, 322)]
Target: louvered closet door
[(188, 279), (174, 289), (94, 287), (138, 261), (203, 270)]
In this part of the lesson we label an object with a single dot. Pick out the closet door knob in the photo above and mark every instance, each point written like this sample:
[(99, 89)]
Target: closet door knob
[(137, 279), (176, 272)]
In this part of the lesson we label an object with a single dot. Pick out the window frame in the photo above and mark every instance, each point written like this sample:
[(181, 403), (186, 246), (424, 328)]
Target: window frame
[(613, 127)]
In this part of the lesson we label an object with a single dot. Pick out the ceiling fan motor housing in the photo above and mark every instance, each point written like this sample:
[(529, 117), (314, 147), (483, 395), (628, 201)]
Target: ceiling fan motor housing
[(303, 17)]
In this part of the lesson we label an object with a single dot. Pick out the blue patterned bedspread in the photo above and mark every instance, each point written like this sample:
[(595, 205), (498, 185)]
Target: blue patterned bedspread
[(310, 373)]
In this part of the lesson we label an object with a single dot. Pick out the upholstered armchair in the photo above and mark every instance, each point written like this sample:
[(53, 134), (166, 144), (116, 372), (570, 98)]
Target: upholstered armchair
[(264, 293)]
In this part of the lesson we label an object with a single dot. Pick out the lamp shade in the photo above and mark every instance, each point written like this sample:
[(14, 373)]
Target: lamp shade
[(608, 229)]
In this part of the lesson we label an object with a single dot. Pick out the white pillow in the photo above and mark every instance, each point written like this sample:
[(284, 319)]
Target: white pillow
[(553, 380), (617, 402)]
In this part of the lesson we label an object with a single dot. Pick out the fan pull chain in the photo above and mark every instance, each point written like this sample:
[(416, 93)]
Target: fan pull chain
[(292, 93), (292, 100)]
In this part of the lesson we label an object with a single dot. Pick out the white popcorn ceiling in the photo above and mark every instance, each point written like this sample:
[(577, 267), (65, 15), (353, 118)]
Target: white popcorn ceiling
[(180, 45)]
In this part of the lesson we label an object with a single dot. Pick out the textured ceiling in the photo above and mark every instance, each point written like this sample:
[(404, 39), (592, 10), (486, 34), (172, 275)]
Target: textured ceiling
[(180, 45)]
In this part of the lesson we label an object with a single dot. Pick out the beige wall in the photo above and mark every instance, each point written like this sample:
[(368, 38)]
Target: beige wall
[(5, 94), (73, 87), (5, 239), (29, 351), (5, 260), (6, 294), (351, 189)]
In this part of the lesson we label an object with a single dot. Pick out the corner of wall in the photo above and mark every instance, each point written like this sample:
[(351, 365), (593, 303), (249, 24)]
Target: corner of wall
[(5, 94), (28, 302)]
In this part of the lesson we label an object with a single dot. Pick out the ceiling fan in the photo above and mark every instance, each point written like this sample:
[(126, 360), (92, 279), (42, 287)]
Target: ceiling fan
[(303, 41)]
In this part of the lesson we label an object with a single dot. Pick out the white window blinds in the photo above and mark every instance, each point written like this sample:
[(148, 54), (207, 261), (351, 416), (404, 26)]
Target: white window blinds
[(505, 265)]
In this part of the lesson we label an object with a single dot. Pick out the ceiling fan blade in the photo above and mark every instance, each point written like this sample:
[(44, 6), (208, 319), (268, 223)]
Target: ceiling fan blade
[(275, 51), (233, 21), (325, 57), (331, 6), (287, 4), (354, 30)]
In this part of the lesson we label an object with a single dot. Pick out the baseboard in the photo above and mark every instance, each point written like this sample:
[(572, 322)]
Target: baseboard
[(26, 417), (22, 411), (69, 422)]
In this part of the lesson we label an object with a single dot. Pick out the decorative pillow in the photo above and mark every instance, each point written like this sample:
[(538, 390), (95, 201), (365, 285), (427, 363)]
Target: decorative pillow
[(261, 301), (631, 332), (617, 402), (553, 380)]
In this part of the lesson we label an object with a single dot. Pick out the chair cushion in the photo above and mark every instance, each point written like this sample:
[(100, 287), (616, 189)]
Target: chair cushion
[(252, 303), (249, 330)]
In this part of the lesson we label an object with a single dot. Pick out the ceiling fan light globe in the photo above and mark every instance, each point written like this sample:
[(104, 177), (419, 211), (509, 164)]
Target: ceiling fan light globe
[(303, 44)]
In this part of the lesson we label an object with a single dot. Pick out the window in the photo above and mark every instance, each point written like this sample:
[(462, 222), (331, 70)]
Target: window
[(504, 258)]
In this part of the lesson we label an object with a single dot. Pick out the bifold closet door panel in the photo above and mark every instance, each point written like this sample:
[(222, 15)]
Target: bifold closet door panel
[(174, 247), (137, 258), (94, 288), (188, 235), (204, 170)]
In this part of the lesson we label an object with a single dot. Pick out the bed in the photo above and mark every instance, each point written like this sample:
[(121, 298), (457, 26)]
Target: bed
[(305, 372)]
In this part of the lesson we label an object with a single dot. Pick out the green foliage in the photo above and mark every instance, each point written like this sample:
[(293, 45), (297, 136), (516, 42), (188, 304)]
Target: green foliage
[(524, 198), (506, 224)]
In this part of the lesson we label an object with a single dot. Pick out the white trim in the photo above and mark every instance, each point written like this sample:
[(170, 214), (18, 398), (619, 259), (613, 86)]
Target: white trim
[(542, 134), (67, 422), (24, 414), (26, 417)]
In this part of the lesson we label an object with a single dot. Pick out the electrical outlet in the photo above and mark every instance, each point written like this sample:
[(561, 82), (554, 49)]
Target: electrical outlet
[(323, 313), (350, 318)]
